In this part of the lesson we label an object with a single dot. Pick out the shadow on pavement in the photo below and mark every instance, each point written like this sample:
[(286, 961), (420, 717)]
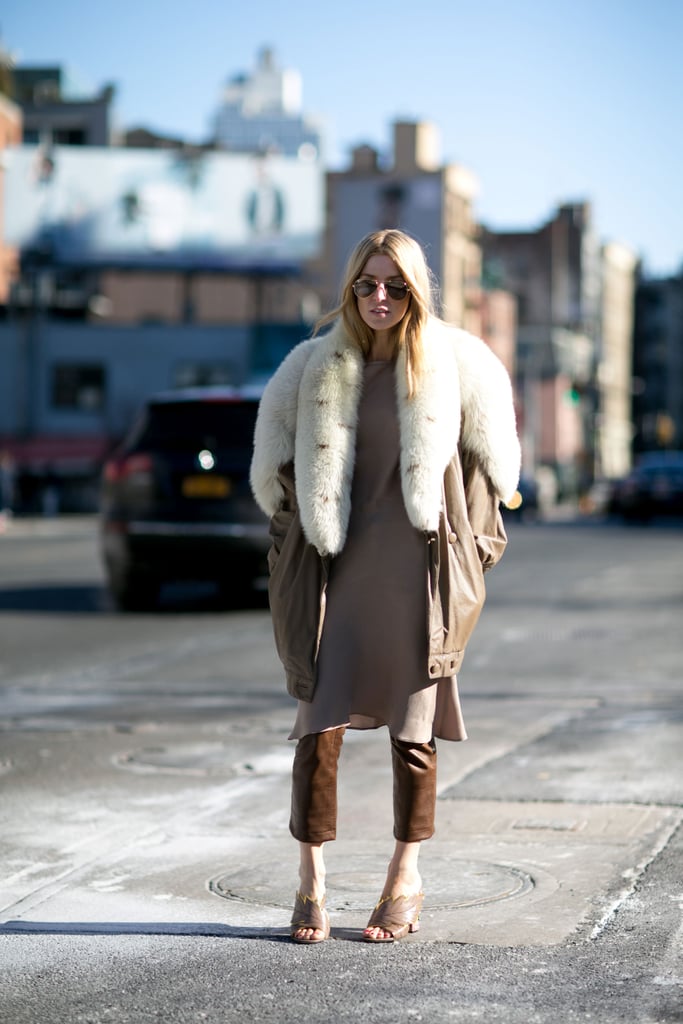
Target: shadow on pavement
[(219, 931), (140, 928)]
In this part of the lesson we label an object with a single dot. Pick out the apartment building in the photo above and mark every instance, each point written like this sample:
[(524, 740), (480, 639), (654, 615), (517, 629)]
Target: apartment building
[(416, 193), (614, 373), (57, 111), (658, 364), (575, 299)]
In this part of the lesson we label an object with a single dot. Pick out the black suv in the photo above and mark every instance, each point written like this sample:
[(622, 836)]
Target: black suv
[(654, 487), (175, 498)]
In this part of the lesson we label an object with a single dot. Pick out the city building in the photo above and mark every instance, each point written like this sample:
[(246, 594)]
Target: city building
[(416, 193), (190, 288), (498, 311), (614, 374), (144, 138), (199, 264), (658, 364), (261, 112), (555, 273), (137, 267), (58, 112)]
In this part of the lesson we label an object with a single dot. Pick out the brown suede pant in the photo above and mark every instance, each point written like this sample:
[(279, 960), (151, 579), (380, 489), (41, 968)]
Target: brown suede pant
[(314, 788)]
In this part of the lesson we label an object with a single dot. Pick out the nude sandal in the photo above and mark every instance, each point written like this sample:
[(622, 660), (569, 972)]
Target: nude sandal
[(397, 915), (309, 913)]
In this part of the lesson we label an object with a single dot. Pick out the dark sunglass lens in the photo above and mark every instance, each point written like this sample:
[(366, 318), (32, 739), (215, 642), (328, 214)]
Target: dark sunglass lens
[(364, 288), (397, 291)]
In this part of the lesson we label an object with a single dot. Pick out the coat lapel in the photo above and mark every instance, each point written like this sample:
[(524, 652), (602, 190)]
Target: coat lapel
[(430, 429), (325, 442), (329, 398)]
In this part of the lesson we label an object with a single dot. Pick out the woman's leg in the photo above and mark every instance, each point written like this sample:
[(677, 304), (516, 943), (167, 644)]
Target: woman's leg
[(414, 768), (403, 880), (313, 818), (311, 883)]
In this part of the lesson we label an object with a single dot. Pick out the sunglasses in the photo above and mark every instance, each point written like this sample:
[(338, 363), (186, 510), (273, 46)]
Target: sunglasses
[(364, 287)]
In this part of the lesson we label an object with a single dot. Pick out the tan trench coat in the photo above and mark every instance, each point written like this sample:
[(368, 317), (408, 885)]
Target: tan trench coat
[(470, 540)]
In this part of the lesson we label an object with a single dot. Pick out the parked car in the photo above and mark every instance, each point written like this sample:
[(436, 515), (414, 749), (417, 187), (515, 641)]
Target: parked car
[(175, 499), (653, 488)]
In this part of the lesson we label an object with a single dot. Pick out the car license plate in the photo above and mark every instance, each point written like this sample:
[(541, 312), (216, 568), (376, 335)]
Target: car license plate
[(207, 486)]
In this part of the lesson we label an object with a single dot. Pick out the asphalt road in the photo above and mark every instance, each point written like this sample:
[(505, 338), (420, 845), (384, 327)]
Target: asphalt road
[(147, 872)]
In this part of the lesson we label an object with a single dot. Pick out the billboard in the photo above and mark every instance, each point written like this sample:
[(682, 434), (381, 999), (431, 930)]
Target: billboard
[(163, 207)]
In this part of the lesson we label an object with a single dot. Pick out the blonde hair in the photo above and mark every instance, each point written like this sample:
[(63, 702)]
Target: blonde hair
[(409, 257)]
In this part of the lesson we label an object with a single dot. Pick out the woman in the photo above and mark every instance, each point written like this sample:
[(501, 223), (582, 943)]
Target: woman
[(382, 451)]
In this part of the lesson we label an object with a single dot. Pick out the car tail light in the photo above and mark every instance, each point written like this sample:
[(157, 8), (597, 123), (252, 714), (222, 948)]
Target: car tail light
[(135, 468)]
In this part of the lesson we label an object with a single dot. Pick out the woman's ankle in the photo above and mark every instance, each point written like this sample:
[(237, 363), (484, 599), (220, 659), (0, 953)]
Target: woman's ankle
[(402, 884), (312, 888), (311, 872), (403, 877)]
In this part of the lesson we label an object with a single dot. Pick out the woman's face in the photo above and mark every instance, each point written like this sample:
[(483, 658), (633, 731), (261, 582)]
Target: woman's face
[(379, 311)]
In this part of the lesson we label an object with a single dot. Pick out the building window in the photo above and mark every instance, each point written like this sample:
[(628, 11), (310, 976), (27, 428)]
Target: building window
[(78, 386), (69, 137)]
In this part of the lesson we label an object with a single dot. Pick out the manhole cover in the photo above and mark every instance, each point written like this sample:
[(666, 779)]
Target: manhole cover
[(450, 884)]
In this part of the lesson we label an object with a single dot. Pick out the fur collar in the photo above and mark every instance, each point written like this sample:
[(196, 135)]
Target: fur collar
[(309, 413)]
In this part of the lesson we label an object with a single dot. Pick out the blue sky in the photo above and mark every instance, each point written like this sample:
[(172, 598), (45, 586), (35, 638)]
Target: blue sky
[(544, 101)]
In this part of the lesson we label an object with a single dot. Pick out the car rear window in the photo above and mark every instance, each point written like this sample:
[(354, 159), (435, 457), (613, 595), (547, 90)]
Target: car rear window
[(179, 425)]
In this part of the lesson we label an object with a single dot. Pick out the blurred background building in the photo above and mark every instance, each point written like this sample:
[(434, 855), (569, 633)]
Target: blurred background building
[(133, 262), (574, 344), (658, 364), (57, 111), (261, 112), (415, 192), (614, 429)]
